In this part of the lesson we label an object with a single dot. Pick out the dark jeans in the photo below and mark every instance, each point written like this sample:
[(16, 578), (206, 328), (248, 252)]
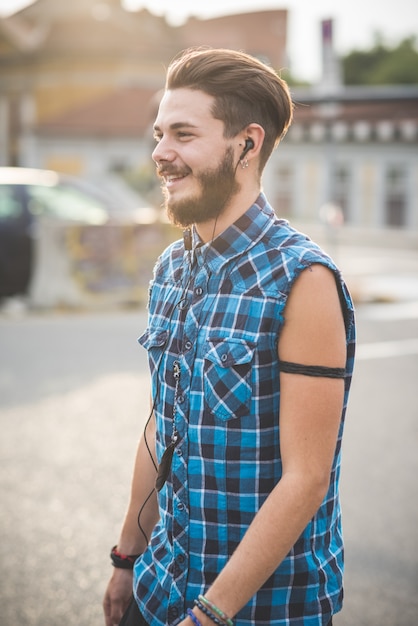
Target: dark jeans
[(133, 617)]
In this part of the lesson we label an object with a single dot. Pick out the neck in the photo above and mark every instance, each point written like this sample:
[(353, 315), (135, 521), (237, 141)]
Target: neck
[(208, 231)]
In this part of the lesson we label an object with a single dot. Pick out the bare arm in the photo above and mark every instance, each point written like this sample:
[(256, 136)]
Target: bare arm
[(132, 540), (310, 411)]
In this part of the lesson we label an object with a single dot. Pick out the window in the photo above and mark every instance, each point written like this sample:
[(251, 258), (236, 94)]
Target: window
[(395, 196), (10, 206), (284, 196), (66, 203), (341, 189)]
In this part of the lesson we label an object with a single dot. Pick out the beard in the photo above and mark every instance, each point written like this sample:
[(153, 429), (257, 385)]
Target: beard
[(217, 187)]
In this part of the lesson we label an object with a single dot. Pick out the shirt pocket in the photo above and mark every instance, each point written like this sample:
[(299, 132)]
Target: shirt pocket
[(154, 341), (227, 376)]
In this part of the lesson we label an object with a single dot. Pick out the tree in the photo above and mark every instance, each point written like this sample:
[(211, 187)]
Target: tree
[(382, 65)]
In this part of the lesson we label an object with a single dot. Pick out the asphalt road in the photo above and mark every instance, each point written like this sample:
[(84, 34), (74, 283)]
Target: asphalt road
[(73, 396)]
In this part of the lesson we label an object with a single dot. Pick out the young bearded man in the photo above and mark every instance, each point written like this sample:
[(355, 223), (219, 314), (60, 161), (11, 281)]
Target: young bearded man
[(251, 344)]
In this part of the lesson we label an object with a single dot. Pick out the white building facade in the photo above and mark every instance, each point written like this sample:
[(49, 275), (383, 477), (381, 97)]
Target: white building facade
[(357, 152)]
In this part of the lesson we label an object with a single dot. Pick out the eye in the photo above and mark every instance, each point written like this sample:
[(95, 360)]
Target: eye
[(182, 134)]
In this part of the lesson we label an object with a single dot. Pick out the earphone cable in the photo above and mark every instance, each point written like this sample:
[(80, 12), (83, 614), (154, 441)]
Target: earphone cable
[(157, 390)]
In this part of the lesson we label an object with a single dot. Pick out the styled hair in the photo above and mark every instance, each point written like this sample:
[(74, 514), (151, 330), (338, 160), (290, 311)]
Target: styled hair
[(245, 91)]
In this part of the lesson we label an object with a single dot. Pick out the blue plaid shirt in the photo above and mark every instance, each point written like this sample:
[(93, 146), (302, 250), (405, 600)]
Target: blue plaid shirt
[(217, 317)]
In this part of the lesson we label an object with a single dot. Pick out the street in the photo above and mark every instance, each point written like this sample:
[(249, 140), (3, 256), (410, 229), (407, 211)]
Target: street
[(73, 399)]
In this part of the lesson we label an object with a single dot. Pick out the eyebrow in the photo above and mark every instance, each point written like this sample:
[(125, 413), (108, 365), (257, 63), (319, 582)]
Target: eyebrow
[(175, 126)]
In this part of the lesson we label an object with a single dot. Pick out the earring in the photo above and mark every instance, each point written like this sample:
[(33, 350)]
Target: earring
[(244, 163)]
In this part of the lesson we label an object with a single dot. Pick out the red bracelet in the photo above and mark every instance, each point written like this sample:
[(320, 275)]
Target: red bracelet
[(122, 561)]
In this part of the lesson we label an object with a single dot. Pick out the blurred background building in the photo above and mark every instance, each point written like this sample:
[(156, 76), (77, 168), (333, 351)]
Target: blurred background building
[(78, 78), (80, 82)]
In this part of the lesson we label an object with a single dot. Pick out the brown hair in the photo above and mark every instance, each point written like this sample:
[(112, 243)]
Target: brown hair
[(246, 91)]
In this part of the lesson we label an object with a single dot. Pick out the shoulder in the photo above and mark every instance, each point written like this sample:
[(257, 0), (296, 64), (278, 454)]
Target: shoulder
[(295, 251), (315, 285), (314, 329), (291, 242)]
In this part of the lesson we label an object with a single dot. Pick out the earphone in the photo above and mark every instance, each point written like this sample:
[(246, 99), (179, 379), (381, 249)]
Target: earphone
[(249, 145)]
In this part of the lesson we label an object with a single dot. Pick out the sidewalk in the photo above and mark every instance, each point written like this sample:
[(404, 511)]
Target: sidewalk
[(380, 275), (378, 266)]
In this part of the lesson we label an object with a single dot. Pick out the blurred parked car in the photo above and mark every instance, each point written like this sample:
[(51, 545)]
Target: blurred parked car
[(26, 194)]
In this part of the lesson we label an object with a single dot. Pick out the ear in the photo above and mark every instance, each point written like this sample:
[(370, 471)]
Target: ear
[(256, 134)]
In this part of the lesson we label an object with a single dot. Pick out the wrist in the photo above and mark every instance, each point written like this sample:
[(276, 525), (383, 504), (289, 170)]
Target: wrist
[(208, 613), (121, 560)]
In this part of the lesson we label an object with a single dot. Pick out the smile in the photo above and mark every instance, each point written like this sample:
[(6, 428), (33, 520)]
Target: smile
[(170, 180), (171, 176), (173, 179)]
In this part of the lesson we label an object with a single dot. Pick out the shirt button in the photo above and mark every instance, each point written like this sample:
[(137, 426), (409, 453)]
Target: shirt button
[(188, 345), (180, 506), (198, 291), (173, 612), (181, 558), (224, 357), (180, 399)]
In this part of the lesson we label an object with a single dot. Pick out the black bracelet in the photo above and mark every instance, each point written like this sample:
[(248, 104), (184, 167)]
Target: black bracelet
[(122, 561)]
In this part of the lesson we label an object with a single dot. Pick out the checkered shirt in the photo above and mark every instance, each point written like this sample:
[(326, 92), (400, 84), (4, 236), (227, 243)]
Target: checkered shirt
[(219, 315)]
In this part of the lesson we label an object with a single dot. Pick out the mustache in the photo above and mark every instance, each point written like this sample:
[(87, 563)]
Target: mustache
[(167, 170)]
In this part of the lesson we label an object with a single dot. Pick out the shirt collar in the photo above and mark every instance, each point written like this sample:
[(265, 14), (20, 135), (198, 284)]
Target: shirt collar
[(237, 238)]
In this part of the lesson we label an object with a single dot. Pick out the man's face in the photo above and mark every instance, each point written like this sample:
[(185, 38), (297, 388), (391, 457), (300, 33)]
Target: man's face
[(194, 160)]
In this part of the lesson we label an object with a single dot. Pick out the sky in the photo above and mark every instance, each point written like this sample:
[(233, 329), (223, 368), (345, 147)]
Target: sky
[(355, 22)]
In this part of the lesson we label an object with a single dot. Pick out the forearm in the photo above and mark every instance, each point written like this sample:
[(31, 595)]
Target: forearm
[(132, 540), (143, 499), (307, 448), (268, 540)]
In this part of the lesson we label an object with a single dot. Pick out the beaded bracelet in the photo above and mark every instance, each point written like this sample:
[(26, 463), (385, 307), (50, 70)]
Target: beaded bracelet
[(193, 617), (225, 619), (209, 613)]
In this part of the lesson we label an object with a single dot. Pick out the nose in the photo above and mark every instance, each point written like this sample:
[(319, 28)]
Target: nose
[(162, 153)]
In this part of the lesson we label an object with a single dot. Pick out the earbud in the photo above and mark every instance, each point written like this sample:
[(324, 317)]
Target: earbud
[(249, 145)]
